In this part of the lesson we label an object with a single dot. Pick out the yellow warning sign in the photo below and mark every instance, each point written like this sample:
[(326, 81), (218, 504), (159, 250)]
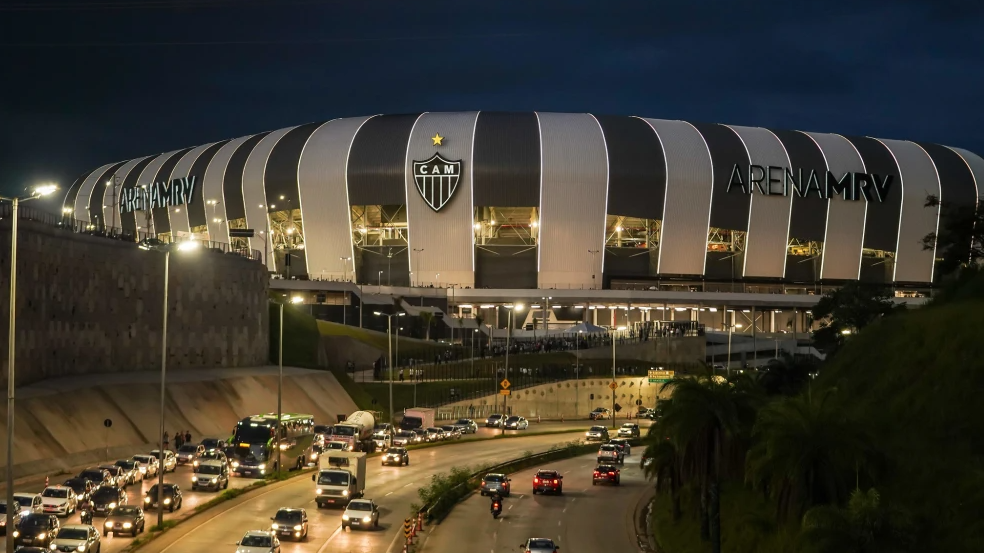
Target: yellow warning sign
[(505, 384), (407, 527), (613, 385), (504, 392)]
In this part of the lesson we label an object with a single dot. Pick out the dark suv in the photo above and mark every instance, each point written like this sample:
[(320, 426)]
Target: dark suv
[(172, 497), (107, 498), (606, 474), (37, 530), (98, 476), (290, 523), (548, 481)]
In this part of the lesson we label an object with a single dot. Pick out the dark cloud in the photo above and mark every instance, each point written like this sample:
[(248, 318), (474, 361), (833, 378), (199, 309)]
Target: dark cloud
[(84, 87)]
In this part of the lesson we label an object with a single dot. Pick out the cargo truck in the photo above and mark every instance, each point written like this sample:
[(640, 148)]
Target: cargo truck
[(341, 478), (356, 431), (417, 417)]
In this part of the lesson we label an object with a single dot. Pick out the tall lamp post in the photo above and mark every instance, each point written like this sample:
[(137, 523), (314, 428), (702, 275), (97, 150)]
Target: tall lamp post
[(389, 342), (613, 388), (344, 261), (577, 370), (182, 247), (512, 309), (730, 328), (38, 192)]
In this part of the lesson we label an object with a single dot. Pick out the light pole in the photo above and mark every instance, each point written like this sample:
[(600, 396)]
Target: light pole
[(416, 251), (615, 386), (730, 328), (379, 279), (344, 261), (512, 309), (593, 257), (473, 352), (389, 342), (183, 247), (38, 192), (577, 370)]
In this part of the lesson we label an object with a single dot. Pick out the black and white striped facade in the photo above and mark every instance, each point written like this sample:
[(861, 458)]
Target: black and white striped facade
[(575, 171)]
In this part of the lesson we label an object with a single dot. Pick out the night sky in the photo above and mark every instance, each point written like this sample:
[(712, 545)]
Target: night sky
[(89, 82)]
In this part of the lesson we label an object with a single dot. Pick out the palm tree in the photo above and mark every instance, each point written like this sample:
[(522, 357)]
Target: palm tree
[(788, 375), (707, 421), (806, 452), (864, 526), (427, 317), (661, 462)]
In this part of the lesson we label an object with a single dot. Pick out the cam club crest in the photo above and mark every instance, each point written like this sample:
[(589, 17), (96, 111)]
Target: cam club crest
[(437, 179)]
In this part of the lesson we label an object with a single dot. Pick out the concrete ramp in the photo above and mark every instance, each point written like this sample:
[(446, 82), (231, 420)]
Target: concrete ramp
[(60, 423)]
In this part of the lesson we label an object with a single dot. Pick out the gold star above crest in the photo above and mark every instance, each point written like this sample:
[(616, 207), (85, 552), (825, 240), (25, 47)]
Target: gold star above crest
[(438, 139)]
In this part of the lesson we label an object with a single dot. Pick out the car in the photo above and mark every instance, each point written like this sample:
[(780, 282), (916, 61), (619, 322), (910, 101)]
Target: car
[(170, 462), (76, 537), (31, 550), (403, 438), (495, 482), (210, 475), (14, 519), (59, 500), (212, 444), (36, 529), (606, 474), (360, 513), (148, 465), (172, 497), (337, 446), (622, 444), (290, 523), (213, 455), (494, 421), (98, 476), (124, 519), (188, 453), (596, 434), (539, 545), (466, 426), (324, 430), (107, 498), (451, 432), (517, 423), (434, 435), (396, 456), (131, 468), (83, 488), (548, 481), (628, 430), (29, 502), (119, 475), (258, 541), (650, 414), (610, 453), (420, 435), (601, 413)]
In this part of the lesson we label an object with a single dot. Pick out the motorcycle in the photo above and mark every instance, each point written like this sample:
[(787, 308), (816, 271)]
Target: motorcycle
[(86, 516), (496, 509)]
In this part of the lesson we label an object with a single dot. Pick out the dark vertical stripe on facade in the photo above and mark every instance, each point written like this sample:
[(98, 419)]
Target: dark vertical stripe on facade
[(232, 183), (162, 222), (73, 191), (881, 223), (506, 160), (128, 221), (958, 193), (96, 198), (377, 161), (808, 220), (729, 210), (197, 214), (636, 168), (280, 177)]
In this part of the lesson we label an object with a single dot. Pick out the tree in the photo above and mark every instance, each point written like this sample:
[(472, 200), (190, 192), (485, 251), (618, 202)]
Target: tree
[(661, 462), (427, 317), (848, 310), (806, 452), (864, 526), (787, 375), (959, 241)]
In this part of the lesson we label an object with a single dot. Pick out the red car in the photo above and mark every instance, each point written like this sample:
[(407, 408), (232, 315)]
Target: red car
[(606, 474), (548, 481)]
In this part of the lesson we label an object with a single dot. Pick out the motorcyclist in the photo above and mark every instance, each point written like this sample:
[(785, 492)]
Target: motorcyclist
[(85, 511), (496, 502)]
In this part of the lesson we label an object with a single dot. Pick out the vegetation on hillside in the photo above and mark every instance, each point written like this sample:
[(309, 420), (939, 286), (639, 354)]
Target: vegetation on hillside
[(879, 449)]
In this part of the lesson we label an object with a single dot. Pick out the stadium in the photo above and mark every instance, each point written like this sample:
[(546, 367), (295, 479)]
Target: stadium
[(526, 202)]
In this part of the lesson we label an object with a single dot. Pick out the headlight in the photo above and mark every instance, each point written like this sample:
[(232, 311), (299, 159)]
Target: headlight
[(275, 526), (587, 433), (112, 505), (314, 456), (41, 536), (317, 491), (142, 470), (146, 500), (235, 464), (344, 492), (81, 547), (195, 463), (167, 501), (16, 533), (127, 525), (344, 517), (262, 466), (53, 547), (215, 479), (109, 524), (297, 527), (365, 519)]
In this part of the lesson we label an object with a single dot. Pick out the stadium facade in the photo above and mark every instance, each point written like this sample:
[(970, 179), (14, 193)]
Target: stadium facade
[(548, 200)]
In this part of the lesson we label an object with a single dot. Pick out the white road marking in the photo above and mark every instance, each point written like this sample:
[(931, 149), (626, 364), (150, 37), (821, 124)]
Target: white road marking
[(565, 510), (408, 485), (331, 537), (558, 523), (391, 493), (511, 506)]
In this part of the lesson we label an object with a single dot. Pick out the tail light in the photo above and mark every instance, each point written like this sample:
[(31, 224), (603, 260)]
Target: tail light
[(597, 473), (536, 480), (555, 481)]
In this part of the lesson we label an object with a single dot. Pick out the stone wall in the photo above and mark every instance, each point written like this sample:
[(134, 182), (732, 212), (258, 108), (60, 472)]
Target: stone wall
[(89, 305)]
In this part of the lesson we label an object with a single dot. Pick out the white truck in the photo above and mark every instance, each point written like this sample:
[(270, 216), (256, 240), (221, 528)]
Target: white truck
[(356, 431), (417, 417), (341, 478)]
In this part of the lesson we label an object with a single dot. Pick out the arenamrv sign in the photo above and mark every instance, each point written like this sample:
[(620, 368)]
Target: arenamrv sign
[(159, 194), (770, 180)]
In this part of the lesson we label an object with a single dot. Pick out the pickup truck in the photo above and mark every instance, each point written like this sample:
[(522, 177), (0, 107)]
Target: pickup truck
[(611, 454)]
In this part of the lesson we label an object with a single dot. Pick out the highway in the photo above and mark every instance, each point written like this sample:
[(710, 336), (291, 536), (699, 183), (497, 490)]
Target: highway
[(586, 518)]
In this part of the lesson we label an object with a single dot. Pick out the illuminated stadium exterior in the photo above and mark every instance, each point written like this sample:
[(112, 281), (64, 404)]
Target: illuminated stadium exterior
[(529, 201)]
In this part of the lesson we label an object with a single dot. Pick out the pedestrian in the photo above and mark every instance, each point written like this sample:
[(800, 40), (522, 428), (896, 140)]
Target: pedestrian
[(178, 440), (401, 375), (187, 436), (165, 439)]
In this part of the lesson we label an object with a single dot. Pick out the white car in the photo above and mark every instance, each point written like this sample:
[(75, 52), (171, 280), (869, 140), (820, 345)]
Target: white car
[(148, 465), (77, 537), (170, 461), (360, 513), (59, 500), (258, 541), (29, 502), (539, 545)]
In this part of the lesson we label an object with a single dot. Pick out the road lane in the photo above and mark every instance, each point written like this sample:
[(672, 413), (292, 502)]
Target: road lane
[(585, 518)]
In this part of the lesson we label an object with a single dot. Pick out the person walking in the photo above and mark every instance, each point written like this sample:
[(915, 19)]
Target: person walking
[(187, 436)]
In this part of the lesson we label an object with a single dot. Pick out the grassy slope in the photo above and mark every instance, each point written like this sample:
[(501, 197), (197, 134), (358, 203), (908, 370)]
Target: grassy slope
[(300, 337)]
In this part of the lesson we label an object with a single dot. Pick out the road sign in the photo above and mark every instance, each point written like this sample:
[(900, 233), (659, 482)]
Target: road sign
[(504, 392), (613, 385), (505, 384), (241, 233), (660, 376), (108, 422), (407, 527)]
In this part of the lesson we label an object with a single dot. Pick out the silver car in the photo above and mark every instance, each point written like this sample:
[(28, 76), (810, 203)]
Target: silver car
[(596, 433), (76, 537), (494, 421), (517, 423), (539, 545), (466, 426)]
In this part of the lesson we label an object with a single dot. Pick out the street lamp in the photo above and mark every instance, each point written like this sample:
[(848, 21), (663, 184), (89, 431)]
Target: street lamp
[(379, 279), (389, 342), (731, 327), (614, 387), (181, 247), (512, 309), (38, 192), (577, 370)]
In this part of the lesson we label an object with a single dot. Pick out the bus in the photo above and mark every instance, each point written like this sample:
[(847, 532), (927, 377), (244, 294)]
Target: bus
[(252, 448)]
